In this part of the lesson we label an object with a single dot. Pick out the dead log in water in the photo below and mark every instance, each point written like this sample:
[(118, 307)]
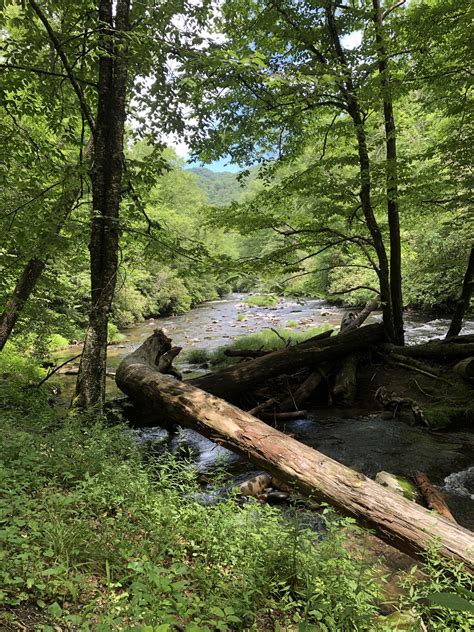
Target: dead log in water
[(345, 382), (434, 498), (235, 380), (401, 523)]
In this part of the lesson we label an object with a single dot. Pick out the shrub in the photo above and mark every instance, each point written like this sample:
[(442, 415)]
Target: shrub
[(113, 334), (196, 356), (56, 342)]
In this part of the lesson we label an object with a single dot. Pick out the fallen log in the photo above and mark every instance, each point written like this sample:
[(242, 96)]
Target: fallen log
[(303, 392), (465, 368), (345, 382), (390, 401), (434, 498), (292, 414), (235, 380), (401, 523), (440, 350), (245, 353)]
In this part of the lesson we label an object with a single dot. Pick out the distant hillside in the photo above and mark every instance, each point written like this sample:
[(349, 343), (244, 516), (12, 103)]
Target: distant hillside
[(221, 187)]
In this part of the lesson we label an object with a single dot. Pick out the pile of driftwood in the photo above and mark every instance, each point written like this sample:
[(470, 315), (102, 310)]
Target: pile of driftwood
[(206, 404)]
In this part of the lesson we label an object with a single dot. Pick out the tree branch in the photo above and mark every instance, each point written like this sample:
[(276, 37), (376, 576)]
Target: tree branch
[(70, 74), (392, 8), (357, 287), (49, 73)]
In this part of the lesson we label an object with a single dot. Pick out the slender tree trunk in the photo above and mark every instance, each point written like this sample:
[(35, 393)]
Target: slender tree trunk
[(349, 93), (392, 180), (35, 267), (462, 304), (106, 177), (22, 292)]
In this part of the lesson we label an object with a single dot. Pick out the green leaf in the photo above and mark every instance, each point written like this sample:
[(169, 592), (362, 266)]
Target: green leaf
[(453, 601)]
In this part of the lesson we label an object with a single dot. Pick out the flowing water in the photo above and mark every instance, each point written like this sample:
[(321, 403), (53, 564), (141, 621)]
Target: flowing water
[(367, 444)]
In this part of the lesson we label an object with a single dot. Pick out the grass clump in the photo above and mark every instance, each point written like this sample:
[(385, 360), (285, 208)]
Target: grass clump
[(266, 339), (291, 323), (263, 300), (241, 317), (196, 356)]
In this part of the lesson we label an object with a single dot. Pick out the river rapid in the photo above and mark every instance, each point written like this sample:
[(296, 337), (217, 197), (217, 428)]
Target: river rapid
[(367, 444)]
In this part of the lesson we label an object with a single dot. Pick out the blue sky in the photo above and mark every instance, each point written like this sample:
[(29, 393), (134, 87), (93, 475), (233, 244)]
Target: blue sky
[(218, 165)]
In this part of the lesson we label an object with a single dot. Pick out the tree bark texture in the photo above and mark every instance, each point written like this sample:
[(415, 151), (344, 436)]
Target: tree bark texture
[(235, 380), (462, 305), (397, 520), (106, 177), (391, 170)]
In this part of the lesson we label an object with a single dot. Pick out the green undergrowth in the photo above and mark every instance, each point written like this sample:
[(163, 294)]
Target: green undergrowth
[(263, 300), (93, 536), (267, 339)]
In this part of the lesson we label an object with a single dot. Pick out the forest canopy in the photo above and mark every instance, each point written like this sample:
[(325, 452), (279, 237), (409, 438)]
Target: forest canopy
[(351, 125)]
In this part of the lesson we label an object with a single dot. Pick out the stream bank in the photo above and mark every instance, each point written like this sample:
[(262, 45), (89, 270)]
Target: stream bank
[(362, 439)]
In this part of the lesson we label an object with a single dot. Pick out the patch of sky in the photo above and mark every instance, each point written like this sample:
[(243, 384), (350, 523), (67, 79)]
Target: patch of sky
[(218, 165)]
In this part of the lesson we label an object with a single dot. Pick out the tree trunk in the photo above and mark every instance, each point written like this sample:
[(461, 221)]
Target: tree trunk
[(34, 268), (106, 177), (397, 520), (22, 292), (391, 167), (350, 95), (462, 305), (235, 380)]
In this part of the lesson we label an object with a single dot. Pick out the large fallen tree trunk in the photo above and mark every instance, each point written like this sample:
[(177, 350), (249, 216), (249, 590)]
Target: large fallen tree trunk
[(400, 522), (235, 380)]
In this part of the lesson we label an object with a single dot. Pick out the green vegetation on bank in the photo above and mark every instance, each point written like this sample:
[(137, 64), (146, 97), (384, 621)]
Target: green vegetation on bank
[(266, 340), (265, 300), (96, 535)]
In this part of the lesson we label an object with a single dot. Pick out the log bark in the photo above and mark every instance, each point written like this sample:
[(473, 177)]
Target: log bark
[(434, 498), (246, 353), (232, 381), (303, 392), (401, 523), (436, 350), (345, 381)]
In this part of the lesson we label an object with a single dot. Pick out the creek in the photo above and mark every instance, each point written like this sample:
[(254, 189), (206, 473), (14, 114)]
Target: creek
[(367, 444)]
